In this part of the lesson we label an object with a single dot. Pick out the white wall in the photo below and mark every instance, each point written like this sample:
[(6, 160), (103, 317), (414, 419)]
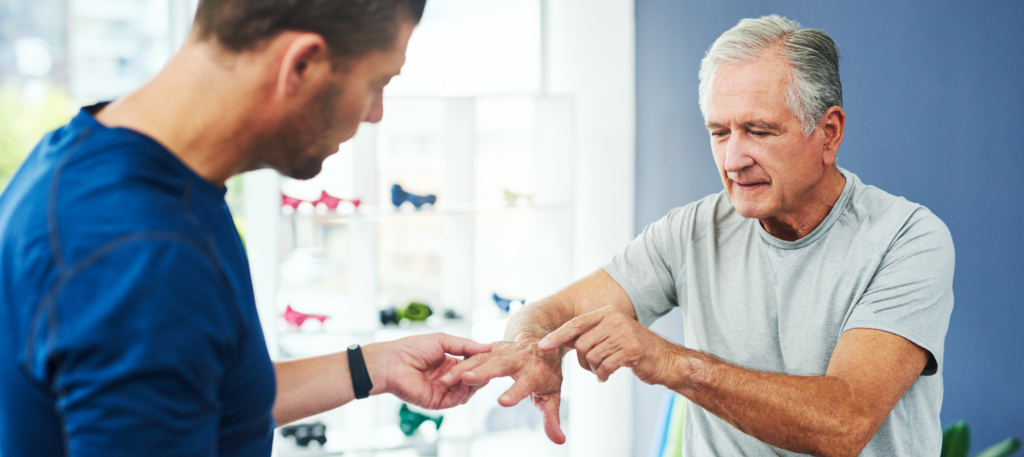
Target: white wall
[(589, 53)]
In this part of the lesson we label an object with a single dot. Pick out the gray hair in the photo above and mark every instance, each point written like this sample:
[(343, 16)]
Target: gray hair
[(813, 59)]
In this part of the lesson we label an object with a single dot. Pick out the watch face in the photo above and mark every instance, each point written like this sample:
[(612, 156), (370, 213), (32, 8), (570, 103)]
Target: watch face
[(353, 347)]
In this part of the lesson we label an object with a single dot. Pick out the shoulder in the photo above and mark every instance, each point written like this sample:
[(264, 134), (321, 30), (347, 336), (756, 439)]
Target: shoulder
[(889, 222), (118, 184)]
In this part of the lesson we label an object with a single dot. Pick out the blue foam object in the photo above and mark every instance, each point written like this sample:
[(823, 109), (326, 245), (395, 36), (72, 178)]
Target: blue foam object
[(661, 433), (399, 196), (504, 303)]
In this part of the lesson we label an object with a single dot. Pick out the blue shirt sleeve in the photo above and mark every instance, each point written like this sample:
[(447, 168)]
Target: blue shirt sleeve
[(138, 343)]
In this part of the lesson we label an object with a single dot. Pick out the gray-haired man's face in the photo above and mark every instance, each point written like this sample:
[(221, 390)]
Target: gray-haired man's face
[(767, 166)]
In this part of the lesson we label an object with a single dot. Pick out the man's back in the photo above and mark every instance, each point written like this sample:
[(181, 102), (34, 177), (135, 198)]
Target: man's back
[(131, 327)]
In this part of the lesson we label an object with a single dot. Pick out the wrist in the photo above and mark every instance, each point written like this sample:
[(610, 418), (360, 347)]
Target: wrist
[(690, 369), (375, 357)]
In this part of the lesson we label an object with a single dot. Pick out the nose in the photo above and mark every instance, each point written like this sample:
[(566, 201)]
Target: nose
[(376, 112), (737, 156)]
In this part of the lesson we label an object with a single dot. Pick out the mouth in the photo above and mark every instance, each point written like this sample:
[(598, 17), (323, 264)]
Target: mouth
[(750, 185)]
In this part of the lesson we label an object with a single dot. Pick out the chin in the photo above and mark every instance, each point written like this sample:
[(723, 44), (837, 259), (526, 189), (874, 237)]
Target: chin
[(751, 209), (302, 172)]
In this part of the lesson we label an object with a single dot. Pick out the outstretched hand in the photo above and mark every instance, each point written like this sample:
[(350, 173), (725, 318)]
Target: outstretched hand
[(412, 368), (537, 374)]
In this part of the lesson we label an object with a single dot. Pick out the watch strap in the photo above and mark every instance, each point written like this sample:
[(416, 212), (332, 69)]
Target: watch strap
[(361, 383)]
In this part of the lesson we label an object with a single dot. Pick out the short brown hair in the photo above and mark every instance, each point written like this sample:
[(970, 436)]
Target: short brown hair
[(351, 28)]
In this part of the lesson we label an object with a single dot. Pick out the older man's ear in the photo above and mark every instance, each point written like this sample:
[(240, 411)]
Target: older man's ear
[(833, 123)]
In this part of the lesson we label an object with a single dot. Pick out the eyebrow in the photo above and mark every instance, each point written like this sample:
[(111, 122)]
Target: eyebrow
[(761, 124)]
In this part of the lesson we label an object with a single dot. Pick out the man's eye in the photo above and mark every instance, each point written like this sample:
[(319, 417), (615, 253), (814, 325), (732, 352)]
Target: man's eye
[(760, 134), (719, 133)]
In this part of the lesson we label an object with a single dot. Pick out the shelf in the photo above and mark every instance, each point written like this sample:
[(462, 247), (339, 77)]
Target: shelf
[(367, 212)]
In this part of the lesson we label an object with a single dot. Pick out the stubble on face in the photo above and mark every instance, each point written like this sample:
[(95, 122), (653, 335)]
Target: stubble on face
[(307, 139)]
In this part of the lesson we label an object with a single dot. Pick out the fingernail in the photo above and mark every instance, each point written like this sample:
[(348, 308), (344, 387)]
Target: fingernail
[(505, 398), (543, 343), (470, 374), (446, 378)]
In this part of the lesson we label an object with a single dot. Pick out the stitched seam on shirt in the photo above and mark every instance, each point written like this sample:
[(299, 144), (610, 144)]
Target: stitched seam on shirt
[(46, 307), (908, 423), (52, 223)]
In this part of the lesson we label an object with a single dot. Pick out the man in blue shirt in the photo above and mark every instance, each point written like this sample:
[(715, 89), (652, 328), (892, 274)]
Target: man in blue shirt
[(129, 325)]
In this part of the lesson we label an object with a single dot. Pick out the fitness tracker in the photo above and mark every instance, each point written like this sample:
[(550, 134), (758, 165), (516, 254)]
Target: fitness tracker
[(361, 383)]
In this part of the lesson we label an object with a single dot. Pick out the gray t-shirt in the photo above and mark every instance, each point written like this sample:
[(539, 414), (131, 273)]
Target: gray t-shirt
[(877, 261)]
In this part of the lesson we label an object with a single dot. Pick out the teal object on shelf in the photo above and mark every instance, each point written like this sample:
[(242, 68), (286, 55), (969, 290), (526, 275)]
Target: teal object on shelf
[(410, 420)]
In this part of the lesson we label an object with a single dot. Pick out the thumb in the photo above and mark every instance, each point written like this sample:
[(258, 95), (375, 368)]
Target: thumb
[(460, 346)]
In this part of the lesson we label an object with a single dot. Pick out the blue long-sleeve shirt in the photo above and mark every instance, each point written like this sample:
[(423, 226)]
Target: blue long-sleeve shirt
[(127, 320)]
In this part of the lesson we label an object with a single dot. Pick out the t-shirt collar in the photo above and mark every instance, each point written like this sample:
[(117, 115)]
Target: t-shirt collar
[(823, 228), (86, 120)]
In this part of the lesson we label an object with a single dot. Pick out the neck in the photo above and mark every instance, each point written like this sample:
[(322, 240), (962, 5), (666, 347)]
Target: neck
[(812, 210), (201, 111)]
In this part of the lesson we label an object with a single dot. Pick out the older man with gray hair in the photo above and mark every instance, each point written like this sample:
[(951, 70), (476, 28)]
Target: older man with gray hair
[(815, 306)]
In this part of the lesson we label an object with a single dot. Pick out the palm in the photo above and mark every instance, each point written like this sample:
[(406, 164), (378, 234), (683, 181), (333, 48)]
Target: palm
[(417, 379)]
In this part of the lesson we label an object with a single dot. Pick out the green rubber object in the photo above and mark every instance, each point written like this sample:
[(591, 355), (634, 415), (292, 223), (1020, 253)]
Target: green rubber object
[(410, 420), (415, 312), (674, 444)]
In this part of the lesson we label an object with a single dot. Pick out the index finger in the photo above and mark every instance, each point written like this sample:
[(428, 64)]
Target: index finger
[(461, 346), (570, 330)]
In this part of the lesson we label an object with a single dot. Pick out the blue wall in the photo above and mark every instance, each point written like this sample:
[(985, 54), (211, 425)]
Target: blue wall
[(934, 94)]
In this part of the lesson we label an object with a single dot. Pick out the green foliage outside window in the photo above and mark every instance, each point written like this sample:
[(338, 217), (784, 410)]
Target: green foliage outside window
[(24, 122)]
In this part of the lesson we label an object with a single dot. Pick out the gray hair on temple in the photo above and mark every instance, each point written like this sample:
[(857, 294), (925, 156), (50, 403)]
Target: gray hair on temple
[(813, 59)]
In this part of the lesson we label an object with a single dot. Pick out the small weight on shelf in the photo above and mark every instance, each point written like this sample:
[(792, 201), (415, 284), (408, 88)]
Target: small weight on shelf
[(306, 433), (399, 196), (410, 420), (297, 318), (413, 312), (505, 304)]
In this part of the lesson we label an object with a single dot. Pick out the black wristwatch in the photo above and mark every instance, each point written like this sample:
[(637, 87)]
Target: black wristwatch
[(361, 383)]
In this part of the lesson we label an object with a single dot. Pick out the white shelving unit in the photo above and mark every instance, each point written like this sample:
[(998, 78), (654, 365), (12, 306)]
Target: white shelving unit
[(352, 262)]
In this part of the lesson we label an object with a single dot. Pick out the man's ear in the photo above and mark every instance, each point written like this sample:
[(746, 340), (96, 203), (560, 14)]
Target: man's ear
[(833, 123), (305, 63)]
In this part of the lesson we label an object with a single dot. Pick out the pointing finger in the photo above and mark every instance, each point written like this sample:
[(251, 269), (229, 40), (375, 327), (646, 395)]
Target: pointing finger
[(571, 330)]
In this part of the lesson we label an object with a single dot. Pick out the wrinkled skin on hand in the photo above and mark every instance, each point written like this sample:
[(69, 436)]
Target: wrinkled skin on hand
[(606, 340), (412, 369), (537, 374)]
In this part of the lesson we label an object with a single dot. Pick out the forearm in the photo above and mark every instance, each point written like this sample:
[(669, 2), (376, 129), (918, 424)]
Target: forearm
[(536, 320), (814, 415), (311, 386), (594, 291)]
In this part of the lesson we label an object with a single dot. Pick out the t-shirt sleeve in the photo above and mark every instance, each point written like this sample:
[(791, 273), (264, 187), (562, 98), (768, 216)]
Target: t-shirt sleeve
[(911, 294), (645, 268), (136, 345)]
